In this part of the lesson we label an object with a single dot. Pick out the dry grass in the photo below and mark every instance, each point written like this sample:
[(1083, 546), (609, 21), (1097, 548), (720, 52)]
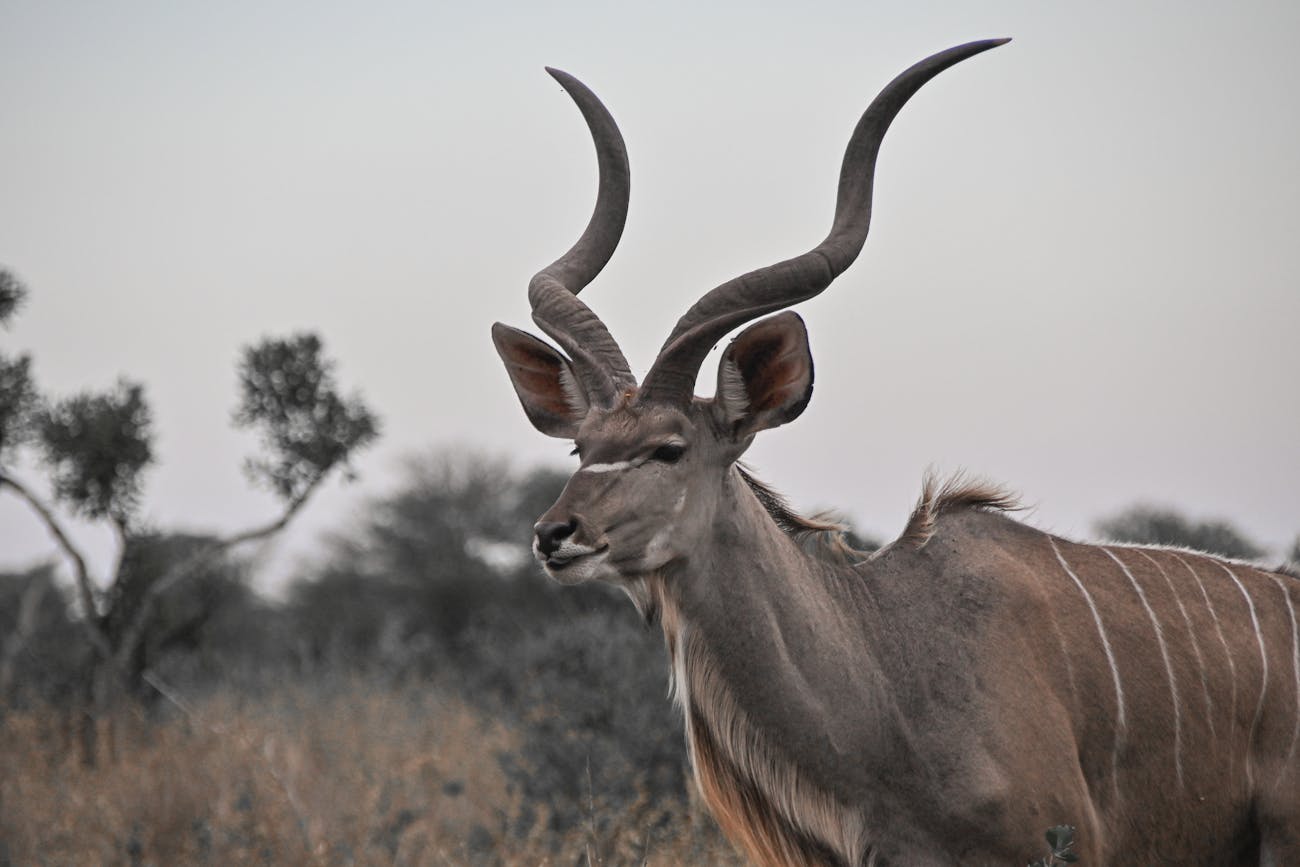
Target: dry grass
[(342, 774)]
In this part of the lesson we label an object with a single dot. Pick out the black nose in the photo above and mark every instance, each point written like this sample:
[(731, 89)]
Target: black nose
[(551, 533)]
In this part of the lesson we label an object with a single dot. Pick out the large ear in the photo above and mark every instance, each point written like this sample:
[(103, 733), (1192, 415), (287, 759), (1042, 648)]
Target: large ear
[(765, 378), (548, 388)]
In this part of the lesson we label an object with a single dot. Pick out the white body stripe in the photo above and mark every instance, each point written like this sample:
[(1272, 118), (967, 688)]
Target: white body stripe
[(1065, 654), (1295, 666), (1121, 721), (1169, 668), (1227, 651), (1263, 659), (1191, 633)]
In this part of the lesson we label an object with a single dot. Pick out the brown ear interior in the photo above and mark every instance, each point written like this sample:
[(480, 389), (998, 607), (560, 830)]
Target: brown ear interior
[(543, 379), (772, 360)]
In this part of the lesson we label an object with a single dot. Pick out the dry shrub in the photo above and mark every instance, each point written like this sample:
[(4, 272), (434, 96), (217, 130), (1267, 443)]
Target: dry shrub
[(338, 772)]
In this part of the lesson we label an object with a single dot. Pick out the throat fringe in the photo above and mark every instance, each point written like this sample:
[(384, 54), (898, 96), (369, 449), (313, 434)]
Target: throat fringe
[(759, 798)]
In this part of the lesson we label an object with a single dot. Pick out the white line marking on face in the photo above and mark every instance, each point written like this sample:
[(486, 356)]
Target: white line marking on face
[(1191, 633), (608, 468), (1121, 723), (1169, 668), (1263, 659)]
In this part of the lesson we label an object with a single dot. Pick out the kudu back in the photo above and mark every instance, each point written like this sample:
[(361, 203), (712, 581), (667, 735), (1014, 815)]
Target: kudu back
[(946, 699)]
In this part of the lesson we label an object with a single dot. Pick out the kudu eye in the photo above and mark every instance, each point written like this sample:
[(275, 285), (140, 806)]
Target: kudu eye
[(669, 453)]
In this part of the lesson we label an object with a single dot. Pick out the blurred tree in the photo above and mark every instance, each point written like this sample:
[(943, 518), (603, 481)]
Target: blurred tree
[(180, 614), (1158, 526), (18, 397), (40, 654), (12, 294), (445, 550), (96, 447), (288, 395), (439, 577)]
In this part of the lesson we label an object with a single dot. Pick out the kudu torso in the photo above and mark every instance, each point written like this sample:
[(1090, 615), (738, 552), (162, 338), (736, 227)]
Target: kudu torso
[(946, 699)]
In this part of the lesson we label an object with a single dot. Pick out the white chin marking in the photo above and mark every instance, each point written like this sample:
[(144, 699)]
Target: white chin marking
[(586, 568)]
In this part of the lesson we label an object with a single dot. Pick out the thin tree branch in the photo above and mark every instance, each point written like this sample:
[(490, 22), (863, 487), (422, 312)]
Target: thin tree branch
[(133, 634), (85, 589), (119, 529)]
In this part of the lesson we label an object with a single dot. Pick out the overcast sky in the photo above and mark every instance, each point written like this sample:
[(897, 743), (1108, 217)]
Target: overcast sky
[(1082, 280)]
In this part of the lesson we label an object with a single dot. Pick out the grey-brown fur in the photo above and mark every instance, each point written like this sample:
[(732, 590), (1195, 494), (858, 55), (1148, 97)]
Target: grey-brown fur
[(947, 698), (817, 534)]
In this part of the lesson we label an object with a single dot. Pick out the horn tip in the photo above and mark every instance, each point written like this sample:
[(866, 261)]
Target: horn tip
[(984, 44)]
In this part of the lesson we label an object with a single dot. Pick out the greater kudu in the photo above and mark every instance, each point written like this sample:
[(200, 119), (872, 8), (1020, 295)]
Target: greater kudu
[(946, 699)]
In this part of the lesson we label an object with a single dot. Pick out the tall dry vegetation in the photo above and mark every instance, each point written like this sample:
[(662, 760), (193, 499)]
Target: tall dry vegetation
[(340, 772)]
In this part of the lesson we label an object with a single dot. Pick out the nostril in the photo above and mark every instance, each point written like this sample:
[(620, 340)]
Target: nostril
[(551, 533)]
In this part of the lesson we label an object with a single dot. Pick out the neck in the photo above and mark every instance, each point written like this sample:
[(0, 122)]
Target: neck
[(750, 624)]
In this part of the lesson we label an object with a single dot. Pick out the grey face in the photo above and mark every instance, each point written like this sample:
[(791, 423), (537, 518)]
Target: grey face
[(642, 490), (650, 476)]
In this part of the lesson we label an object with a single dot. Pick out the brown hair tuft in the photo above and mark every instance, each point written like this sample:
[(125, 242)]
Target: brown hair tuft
[(959, 491), (817, 534)]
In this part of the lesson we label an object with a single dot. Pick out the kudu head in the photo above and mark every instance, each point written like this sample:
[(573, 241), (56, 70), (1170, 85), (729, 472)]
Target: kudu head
[(654, 457)]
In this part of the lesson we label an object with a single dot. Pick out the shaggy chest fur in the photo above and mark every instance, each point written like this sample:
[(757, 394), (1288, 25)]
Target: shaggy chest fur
[(756, 794)]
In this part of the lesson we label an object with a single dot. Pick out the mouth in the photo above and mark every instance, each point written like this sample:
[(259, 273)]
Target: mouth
[(556, 563)]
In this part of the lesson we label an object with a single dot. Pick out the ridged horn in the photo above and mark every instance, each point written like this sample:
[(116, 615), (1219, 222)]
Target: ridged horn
[(672, 377), (553, 291)]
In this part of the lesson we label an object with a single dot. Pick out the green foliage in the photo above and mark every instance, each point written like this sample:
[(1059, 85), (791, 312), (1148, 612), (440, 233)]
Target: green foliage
[(97, 446), (289, 396), (1061, 839), (1156, 526), (18, 396), (18, 400), (12, 295)]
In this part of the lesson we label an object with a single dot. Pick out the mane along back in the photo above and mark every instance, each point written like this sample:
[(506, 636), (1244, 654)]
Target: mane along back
[(956, 493), (818, 534)]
